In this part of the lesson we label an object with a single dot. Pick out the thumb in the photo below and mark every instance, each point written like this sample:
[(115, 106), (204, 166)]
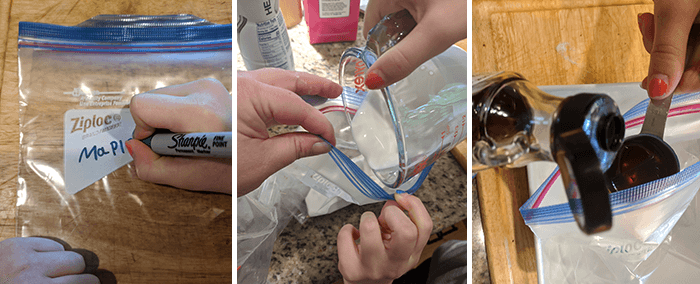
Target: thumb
[(417, 47), (672, 26), (286, 148)]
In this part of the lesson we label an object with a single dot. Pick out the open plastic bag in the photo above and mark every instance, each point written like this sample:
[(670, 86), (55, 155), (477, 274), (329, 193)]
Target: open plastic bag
[(343, 177), (641, 239), (262, 215), (75, 181), (308, 187), (312, 186)]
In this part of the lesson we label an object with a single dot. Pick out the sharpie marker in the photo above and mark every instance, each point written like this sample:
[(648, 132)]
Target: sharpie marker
[(212, 144)]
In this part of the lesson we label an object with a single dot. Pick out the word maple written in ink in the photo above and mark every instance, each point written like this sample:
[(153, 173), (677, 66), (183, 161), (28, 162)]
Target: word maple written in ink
[(117, 148)]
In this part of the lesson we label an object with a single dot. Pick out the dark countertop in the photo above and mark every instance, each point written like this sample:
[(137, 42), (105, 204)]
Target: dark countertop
[(307, 253)]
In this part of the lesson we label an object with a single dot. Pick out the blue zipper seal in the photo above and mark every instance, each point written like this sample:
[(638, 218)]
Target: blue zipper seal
[(125, 39), (171, 35), (363, 182)]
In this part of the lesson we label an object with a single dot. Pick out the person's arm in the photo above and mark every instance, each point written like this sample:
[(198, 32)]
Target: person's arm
[(389, 246)]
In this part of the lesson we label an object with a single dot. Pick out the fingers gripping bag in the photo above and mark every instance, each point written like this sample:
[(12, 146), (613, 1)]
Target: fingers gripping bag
[(309, 187), (388, 139), (75, 177), (319, 185), (646, 240)]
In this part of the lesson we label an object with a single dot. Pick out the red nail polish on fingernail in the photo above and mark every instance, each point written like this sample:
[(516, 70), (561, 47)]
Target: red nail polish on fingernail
[(374, 81), (657, 87), (128, 148)]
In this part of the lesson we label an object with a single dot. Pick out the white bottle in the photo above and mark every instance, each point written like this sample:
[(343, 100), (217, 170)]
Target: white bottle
[(262, 35)]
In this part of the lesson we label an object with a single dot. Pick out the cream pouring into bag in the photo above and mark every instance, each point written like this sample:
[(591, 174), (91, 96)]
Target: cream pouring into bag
[(404, 128)]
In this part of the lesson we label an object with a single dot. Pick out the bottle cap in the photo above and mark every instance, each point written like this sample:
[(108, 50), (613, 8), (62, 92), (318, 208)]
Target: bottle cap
[(585, 136)]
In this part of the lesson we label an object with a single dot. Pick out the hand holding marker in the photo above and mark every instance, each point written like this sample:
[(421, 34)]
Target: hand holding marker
[(194, 115)]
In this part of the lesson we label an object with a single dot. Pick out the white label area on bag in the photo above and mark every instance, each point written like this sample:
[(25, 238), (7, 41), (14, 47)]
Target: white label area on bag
[(334, 8), (94, 144)]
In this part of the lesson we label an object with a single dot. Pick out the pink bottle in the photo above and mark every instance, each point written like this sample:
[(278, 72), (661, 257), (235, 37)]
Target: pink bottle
[(332, 20)]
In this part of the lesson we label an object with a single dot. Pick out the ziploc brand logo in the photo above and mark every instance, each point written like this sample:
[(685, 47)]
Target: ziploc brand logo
[(84, 124)]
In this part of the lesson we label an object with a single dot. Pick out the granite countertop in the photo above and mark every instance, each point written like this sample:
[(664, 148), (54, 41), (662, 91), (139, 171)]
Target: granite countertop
[(307, 253)]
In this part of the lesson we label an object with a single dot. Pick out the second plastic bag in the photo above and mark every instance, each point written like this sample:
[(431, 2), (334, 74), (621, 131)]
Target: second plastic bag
[(643, 216)]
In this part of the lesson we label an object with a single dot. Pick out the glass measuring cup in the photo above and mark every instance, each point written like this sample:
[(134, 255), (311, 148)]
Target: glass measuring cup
[(403, 128)]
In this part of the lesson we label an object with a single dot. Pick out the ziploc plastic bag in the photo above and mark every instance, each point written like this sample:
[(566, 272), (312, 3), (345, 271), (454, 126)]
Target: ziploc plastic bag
[(262, 215), (643, 216), (75, 180), (343, 177), (310, 186)]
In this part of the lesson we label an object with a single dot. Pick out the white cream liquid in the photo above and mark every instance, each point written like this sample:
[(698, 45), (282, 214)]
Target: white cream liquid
[(373, 132)]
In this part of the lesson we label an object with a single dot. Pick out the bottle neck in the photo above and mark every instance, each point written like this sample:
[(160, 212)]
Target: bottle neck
[(511, 121)]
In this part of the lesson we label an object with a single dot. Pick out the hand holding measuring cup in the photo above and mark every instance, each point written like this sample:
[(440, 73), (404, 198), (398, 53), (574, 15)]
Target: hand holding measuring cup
[(646, 157), (431, 36), (405, 127), (673, 63), (200, 106)]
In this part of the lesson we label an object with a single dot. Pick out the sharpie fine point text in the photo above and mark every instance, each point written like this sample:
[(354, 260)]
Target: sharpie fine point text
[(212, 144)]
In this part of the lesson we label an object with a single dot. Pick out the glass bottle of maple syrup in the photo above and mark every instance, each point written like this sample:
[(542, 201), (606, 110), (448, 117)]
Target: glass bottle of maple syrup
[(514, 123)]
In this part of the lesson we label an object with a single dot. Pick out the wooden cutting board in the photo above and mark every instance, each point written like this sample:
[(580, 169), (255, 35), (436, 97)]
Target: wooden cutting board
[(551, 43), (184, 243)]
